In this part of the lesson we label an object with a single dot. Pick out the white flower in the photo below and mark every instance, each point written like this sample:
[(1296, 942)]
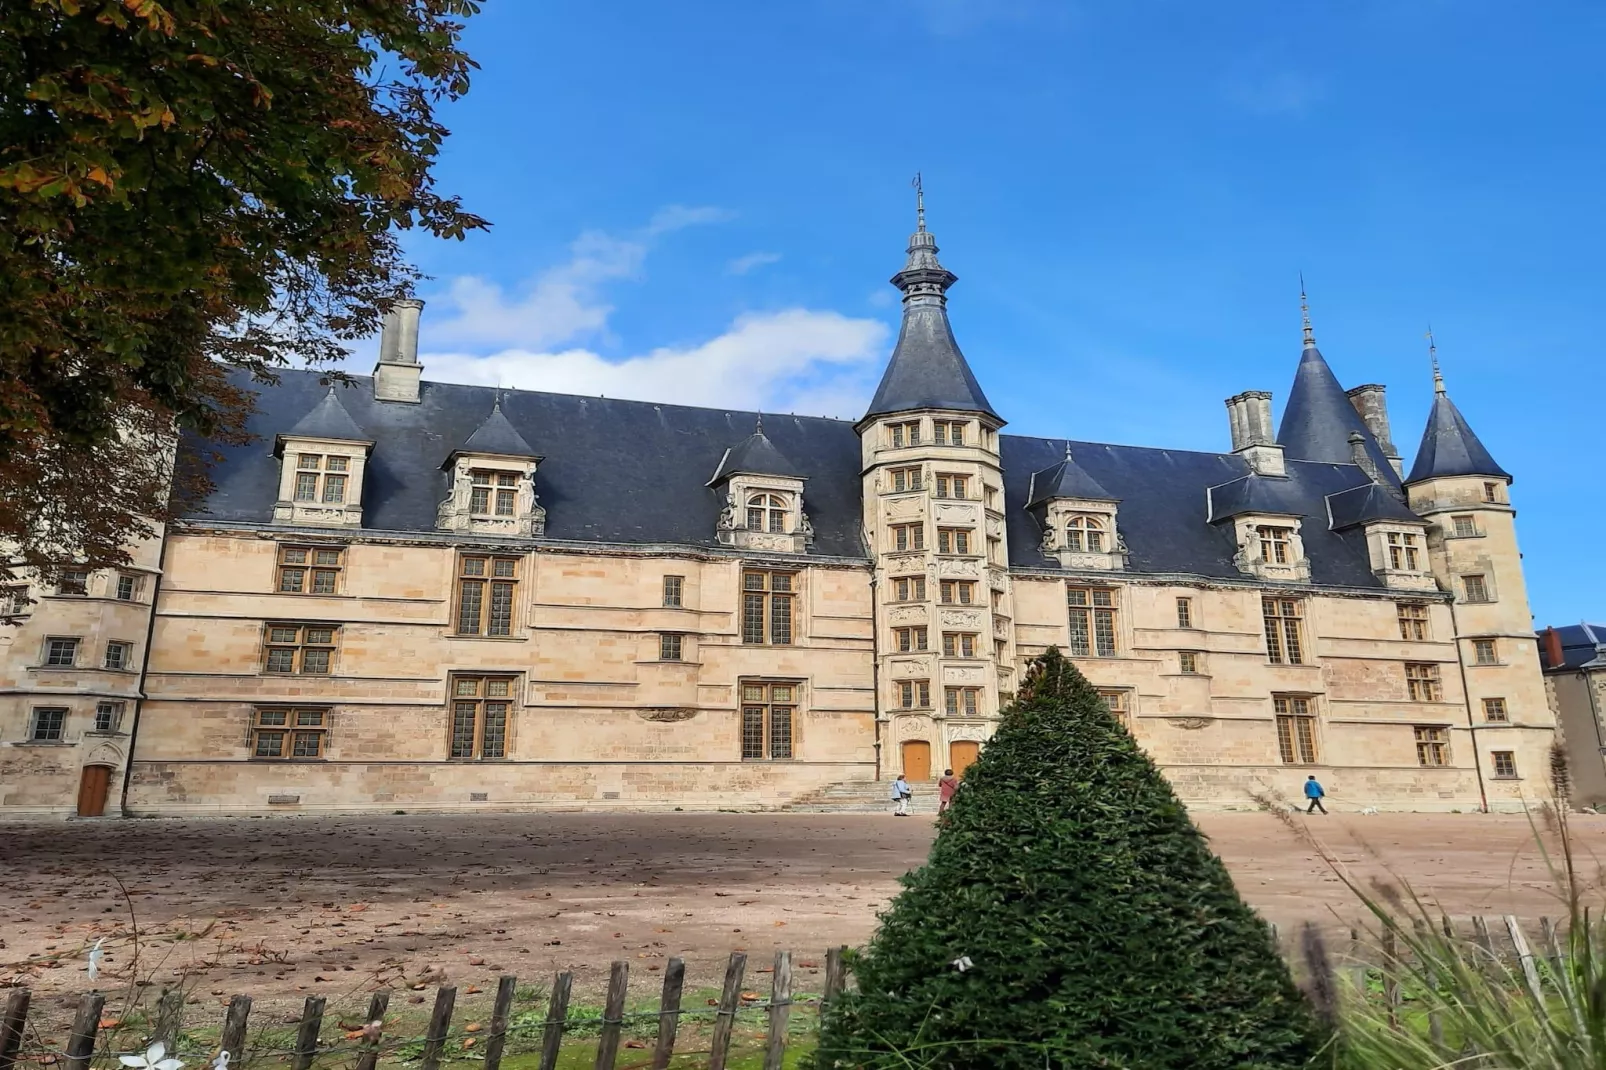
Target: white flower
[(963, 963), (95, 957), (153, 1059)]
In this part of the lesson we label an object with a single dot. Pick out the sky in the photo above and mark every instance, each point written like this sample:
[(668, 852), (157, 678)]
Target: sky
[(702, 203)]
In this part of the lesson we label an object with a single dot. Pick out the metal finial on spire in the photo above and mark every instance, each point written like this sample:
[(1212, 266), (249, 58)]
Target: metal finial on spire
[(758, 425), (1433, 358), (1067, 449), (1304, 313), (920, 204)]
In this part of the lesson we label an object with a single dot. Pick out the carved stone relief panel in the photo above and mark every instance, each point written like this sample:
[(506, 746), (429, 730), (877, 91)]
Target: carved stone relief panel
[(962, 618), (902, 615), (957, 513), (965, 567), (906, 508), (964, 674)]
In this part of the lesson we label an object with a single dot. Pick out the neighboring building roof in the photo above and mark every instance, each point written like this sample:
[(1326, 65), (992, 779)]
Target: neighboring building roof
[(1319, 417), (496, 436), (1067, 479), (927, 370), (632, 472), (1364, 504), (327, 419), (1449, 448), (1583, 646), (755, 455)]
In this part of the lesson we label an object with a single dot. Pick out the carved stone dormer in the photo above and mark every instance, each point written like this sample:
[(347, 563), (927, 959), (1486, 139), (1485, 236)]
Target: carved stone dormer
[(1396, 538), (1077, 516), (763, 507), (1265, 528), (492, 477), (322, 462)]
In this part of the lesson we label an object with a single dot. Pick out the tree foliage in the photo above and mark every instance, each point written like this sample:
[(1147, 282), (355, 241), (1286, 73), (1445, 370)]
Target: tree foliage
[(188, 185), (1070, 915)]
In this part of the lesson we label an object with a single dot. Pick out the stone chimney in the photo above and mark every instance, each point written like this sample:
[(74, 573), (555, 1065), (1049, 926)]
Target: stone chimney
[(396, 375), (1369, 401), (1249, 415)]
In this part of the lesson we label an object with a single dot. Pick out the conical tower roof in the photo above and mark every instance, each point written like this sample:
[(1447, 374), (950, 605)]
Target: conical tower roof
[(1449, 446), (1319, 417), (927, 370), (755, 455), (327, 419)]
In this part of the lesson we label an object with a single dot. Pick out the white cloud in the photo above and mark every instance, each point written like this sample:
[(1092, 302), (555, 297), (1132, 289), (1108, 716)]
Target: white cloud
[(778, 361), (743, 264), (538, 336)]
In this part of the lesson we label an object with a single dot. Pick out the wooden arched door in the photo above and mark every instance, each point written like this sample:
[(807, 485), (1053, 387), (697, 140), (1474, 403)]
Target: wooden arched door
[(94, 784), (916, 759)]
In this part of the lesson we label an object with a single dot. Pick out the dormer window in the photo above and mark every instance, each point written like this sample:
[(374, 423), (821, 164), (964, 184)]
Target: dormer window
[(493, 493), (321, 478), (766, 512), (1084, 534), (1404, 554), (1276, 544)]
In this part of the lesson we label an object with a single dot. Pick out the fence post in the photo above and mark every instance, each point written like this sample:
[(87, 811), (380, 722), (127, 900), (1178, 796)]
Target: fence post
[(11, 1024), (169, 1012), (440, 1023), (373, 1028), (307, 1036), (1530, 972), (81, 1043), (725, 1019), (835, 977), (780, 1010), (557, 1016), (232, 1039), (669, 1014), (613, 1015), (505, 988)]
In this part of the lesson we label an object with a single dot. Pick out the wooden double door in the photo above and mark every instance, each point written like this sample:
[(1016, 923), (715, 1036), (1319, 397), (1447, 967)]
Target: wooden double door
[(916, 755)]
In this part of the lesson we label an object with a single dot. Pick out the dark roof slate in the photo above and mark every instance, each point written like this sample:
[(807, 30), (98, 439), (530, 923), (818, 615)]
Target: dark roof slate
[(927, 370), (1319, 418), (327, 419), (1255, 493), (1067, 479), (496, 436), (755, 455), (1363, 504), (631, 472), (1449, 447)]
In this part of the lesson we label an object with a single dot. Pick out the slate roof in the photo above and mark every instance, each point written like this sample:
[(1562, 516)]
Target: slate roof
[(1449, 447), (1351, 508), (756, 455), (1319, 418), (1255, 493), (1067, 479), (927, 370), (1582, 645), (496, 436), (327, 419)]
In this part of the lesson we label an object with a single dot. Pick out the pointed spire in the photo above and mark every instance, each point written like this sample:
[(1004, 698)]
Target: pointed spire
[(1304, 314), (927, 369), (1319, 417), (1449, 445)]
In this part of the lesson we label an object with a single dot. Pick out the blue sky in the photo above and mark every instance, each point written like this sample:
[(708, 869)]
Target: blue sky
[(702, 202)]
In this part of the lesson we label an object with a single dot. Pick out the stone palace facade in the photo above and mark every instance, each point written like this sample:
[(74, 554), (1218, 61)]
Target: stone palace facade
[(420, 595)]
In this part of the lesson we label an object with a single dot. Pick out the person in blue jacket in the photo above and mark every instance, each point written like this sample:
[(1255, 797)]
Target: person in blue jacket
[(1314, 792)]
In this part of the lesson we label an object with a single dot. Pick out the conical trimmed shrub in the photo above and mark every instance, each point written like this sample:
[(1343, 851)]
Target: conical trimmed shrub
[(1070, 915)]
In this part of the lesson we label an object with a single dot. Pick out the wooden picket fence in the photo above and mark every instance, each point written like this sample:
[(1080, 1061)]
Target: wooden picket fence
[(86, 1042)]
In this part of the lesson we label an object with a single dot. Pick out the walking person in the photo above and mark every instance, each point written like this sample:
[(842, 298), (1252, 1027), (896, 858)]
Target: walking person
[(1314, 792), (945, 789), (901, 794)]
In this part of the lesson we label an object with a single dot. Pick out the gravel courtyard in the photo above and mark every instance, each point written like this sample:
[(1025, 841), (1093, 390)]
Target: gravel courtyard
[(338, 905)]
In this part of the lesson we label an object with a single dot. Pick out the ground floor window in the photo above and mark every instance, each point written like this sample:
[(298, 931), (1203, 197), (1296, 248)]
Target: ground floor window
[(1296, 729), (481, 708), (289, 732), (49, 724), (1432, 745), (1505, 764), (769, 715), (1119, 705)]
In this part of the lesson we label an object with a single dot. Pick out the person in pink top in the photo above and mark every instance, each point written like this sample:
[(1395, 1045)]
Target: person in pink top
[(945, 789)]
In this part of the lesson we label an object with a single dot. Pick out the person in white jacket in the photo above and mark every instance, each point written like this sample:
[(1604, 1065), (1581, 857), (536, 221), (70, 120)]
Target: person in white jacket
[(901, 794)]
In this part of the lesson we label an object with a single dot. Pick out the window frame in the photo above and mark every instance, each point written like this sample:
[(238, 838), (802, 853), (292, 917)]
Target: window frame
[(674, 591), (1423, 682), (312, 571), (1415, 621), (1475, 588), (291, 731), (955, 542), (1404, 553), (74, 583), (50, 661), (14, 601), (1100, 629), (1504, 765), (1465, 521), (905, 479), (1482, 647), (1292, 713), (36, 723), (776, 621), (908, 538), (1491, 493), (768, 704), (135, 584), (1432, 745), (495, 592), (109, 715), (1184, 612), (903, 433), (1118, 700), (769, 509), (1493, 704), (497, 488), (959, 644), (908, 588), (1188, 663), (299, 647), (963, 592), (325, 471), (125, 662), (489, 689), (953, 486), (911, 638), (1276, 543), (671, 646), (949, 432), (1084, 534), (913, 694), (1284, 629), (963, 701)]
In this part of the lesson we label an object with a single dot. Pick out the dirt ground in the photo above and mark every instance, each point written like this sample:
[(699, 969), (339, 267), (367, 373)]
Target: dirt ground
[(342, 905)]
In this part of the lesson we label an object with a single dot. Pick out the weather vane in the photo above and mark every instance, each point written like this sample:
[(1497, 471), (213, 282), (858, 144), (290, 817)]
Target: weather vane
[(920, 203)]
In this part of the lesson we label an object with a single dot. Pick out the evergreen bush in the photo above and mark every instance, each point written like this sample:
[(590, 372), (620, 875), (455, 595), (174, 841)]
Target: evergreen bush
[(1094, 926)]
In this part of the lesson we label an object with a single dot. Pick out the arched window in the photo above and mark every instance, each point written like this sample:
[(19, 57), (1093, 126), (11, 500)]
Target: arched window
[(766, 512), (1084, 534)]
